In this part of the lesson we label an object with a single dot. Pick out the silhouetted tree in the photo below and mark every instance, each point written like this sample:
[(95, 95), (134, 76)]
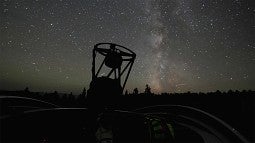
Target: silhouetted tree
[(135, 91), (71, 99), (84, 92), (218, 92), (147, 89), (26, 90), (55, 96), (230, 92), (55, 93)]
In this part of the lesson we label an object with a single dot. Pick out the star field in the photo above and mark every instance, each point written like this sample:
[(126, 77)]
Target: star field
[(181, 45)]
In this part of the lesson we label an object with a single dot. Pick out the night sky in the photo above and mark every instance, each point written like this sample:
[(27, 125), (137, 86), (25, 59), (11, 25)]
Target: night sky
[(181, 45)]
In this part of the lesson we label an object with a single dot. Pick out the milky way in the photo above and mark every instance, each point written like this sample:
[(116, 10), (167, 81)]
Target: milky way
[(181, 45)]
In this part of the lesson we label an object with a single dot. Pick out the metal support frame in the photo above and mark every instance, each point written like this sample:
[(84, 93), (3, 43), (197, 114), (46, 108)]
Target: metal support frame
[(126, 54)]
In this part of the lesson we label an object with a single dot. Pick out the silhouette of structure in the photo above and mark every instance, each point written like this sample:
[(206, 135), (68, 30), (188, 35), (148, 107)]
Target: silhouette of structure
[(118, 60), (147, 89), (135, 91)]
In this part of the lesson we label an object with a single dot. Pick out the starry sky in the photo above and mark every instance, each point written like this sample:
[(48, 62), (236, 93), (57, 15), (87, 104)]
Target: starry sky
[(181, 45)]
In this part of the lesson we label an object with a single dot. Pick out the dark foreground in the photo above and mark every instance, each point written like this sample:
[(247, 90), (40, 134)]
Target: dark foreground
[(234, 108)]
